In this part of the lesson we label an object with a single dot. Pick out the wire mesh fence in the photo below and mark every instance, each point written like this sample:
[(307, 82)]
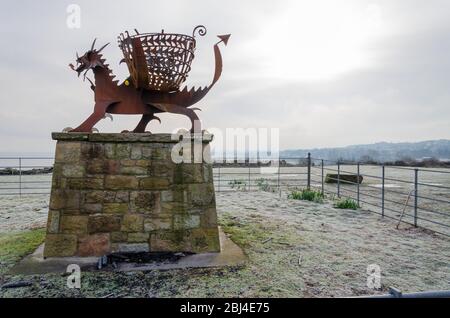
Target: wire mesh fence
[(415, 196)]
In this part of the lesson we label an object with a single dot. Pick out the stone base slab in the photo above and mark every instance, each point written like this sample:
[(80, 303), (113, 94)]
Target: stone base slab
[(230, 255)]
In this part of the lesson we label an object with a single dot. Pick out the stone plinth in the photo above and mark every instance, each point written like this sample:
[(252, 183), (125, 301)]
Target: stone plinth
[(124, 193)]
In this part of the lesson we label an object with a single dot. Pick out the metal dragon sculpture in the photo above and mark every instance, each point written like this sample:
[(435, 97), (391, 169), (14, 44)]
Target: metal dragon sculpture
[(158, 64)]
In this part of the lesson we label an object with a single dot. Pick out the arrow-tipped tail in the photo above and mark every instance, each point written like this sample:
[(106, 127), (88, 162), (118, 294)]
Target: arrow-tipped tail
[(224, 38)]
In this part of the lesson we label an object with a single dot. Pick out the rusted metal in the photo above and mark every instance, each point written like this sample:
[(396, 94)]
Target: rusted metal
[(158, 64)]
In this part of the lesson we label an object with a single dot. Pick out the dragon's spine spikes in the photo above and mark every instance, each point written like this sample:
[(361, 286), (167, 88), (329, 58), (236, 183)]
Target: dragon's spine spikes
[(108, 70)]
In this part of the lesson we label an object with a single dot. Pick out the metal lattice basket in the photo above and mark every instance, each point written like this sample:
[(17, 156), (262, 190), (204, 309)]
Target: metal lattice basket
[(159, 61)]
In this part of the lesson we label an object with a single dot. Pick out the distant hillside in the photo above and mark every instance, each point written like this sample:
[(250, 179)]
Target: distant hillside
[(381, 152)]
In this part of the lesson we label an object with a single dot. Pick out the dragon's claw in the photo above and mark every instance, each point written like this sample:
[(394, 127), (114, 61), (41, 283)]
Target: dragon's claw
[(157, 118)]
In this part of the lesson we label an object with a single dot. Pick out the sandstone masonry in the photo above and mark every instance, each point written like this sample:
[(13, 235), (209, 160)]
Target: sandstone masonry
[(124, 193)]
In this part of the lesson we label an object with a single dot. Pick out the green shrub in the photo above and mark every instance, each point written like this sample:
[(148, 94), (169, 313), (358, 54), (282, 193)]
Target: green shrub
[(308, 195), (237, 184), (346, 204), (263, 185)]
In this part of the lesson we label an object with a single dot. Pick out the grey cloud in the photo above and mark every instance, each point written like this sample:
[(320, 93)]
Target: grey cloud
[(403, 96)]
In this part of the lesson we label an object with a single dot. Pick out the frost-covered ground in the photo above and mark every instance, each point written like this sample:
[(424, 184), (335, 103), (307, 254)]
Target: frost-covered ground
[(23, 212), (19, 212), (294, 248), (326, 251)]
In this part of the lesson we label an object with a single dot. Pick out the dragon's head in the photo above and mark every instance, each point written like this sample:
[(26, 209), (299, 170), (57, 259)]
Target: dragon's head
[(89, 60)]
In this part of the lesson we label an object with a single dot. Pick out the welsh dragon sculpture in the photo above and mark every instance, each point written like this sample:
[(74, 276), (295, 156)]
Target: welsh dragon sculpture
[(158, 63)]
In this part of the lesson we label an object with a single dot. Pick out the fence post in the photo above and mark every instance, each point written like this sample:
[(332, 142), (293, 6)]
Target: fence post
[(382, 191), (323, 192), (339, 179), (308, 185), (249, 176), (278, 181), (357, 184), (20, 176), (416, 185), (218, 180)]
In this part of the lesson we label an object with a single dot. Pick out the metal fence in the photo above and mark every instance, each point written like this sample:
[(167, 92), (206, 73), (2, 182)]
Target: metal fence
[(25, 175), (416, 196)]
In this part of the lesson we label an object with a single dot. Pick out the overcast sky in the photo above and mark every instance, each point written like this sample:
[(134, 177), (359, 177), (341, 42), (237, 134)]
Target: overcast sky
[(326, 73)]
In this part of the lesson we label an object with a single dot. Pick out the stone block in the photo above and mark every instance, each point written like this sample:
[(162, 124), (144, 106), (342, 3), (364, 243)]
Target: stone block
[(201, 194), (193, 173), (60, 245), (115, 208), (74, 224), (133, 247), (205, 240), (120, 182), (53, 221), (186, 221), (116, 197), (96, 166), (143, 163), (92, 208), (145, 202), (132, 223), (136, 151), (110, 150), (119, 237), (122, 151), (94, 245), (208, 219), (94, 196), (153, 183), (139, 171), (208, 173), (85, 183), (117, 151), (173, 207), (64, 199), (166, 196), (152, 224), (73, 171), (102, 223), (68, 152), (140, 237), (170, 241), (154, 153), (163, 169), (92, 151)]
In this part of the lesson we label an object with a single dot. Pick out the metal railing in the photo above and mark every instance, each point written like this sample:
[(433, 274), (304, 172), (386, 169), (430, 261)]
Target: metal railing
[(384, 189), (25, 175)]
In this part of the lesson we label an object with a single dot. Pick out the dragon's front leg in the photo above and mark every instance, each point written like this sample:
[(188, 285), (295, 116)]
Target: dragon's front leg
[(96, 116)]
